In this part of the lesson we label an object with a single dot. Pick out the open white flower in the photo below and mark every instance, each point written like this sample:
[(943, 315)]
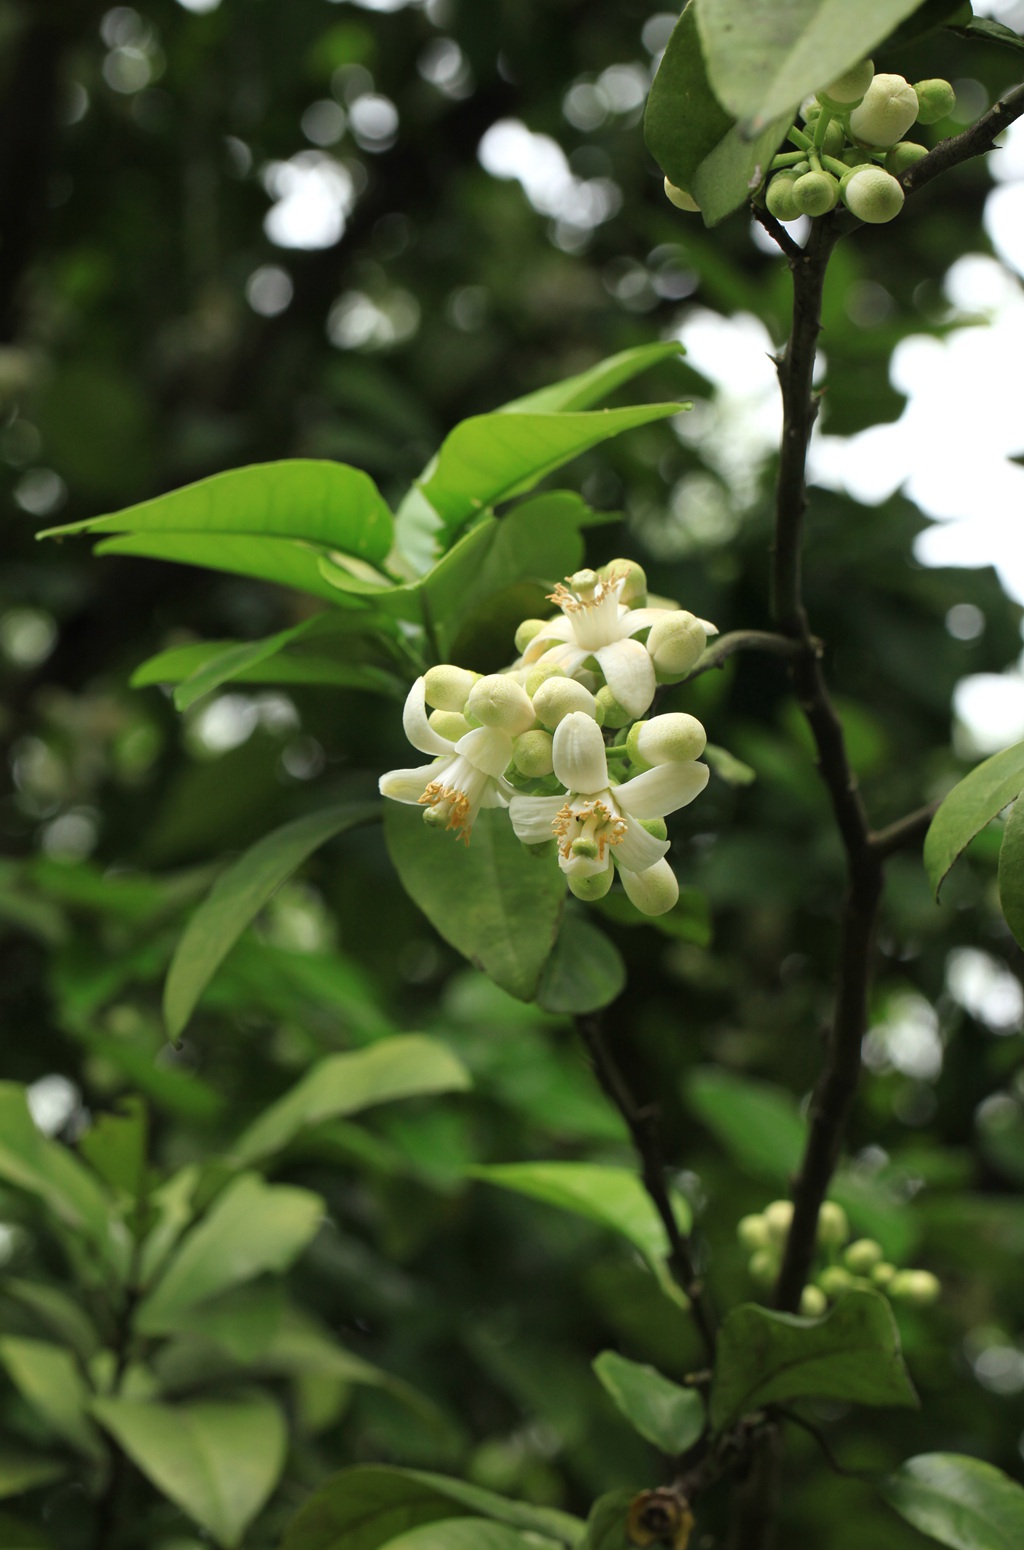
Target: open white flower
[(595, 623), (468, 775), (595, 818)]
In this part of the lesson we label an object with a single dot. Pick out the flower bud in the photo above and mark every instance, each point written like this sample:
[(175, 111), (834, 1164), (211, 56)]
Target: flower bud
[(833, 1228), (779, 196), (903, 156), (811, 110), (584, 582), (498, 701), (449, 723), (849, 89), (815, 193), (862, 1257), (779, 1218), (813, 1302), (531, 754), (764, 1267), (634, 579), (889, 108), (654, 891), (752, 1231), (526, 632), (919, 1288), (446, 687), (673, 738), (872, 195), (610, 712), (540, 674), (656, 826), (834, 1281), (834, 140), (675, 642), (591, 886), (557, 697), (935, 99), (882, 1275), (680, 198)]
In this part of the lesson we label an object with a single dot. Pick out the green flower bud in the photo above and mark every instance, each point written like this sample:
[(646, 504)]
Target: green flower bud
[(919, 1288), (815, 193), (872, 195), (903, 156), (675, 642), (531, 753), (752, 1231), (779, 1219), (680, 198), (935, 99), (850, 88), (674, 738), (540, 674), (834, 1281), (526, 632), (449, 723), (854, 156), (634, 590), (834, 140), (593, 887), (611, 712), (446, 687), (779, 196), (499, 701), (833, 1228), (584, 582), (889, 108), (882, 1275), (556, 697), (811, 110), (862, 1257), (813, 1302), (652, 892), (764, 1267), (656, 826)]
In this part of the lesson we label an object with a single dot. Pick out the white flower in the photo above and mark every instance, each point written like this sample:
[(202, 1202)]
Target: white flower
[(596, 624), (468, 774), (594, 818)]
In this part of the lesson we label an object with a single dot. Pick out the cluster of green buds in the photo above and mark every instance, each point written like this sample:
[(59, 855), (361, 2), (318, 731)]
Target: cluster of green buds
[(844, 1265), (561, 739)]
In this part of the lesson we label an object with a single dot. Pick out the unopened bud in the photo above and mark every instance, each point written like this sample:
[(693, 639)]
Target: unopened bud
[(675, 642), (653, 891), (889, 108), (532, 754), (779, 197), (833, 1227), (813, 1302), (527, 632), (752, 1231), (872, 195), (917, 1287), (610, 712), (634, 581), (558, 697), (451, 724), (593, 886), (834, 1281), (848, 89), (540, 674), (779, 1218), (882, 1275), (656, 826), (679, 197), (862, 1257), (816, 193), (764, 1267), (935, 99), (447, 687), (834, 139), (673, 738), (498, 701), (904, 156)]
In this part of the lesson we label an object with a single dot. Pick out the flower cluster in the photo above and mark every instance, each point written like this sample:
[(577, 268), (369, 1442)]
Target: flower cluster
[(851, 147), (559, 738)]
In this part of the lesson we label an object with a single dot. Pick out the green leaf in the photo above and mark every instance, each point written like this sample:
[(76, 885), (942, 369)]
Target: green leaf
[(972, 804), (116, 1145), (760, 1125), (497, 902), (244, 1322), (1011, 872), (23, 1471), (401, 1067), (59, 1313), (171, 1206), (764, 1358), (735, 169), (324, 503), (251, 1228), (237, 897), (992, 32), (300, 1345), (958, 1501), (928, 16), (689, 919), (217, 1461), (48, 1378), (670, 1417), (606, 1524), (589, 387), (584, 972), (684, 120), (763, 59), (180, 662), (46, 1169), (283, 561), (467, 1534), (727, 767), (367, 1507)]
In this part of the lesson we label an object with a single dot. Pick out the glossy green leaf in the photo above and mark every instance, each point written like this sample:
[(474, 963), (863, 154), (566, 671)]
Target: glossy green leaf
[(735, 169), (283, 561), (286, 667), (759, 1125), (584, 972), (216, 1460), (23, 1471), (58, 1312), (49, 1379), (851, 1354), (763, 59), (251, 1228), (927, 17), (670, 1417), (497, 902), (1011, 872), (46, 1169), (991, 786), (116, 1145), (237, 897), (988, 31), (321, 502), (367, 1507), (590, 387), (684, 120), (401, 1067), (244, 1321), (959, 1501)]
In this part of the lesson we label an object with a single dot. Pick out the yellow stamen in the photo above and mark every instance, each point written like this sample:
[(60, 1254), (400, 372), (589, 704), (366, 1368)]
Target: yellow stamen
[(593, 821), (448, 802)]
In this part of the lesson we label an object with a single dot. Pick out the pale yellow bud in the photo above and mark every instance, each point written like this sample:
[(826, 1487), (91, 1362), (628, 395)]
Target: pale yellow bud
[(499, 701), (676, 642), (558, 697), (446, 687)]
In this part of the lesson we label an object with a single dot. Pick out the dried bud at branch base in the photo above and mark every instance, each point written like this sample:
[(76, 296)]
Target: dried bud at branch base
[(889, 108), (849, 89), (660, 1518), (935, 99), (446, 687)]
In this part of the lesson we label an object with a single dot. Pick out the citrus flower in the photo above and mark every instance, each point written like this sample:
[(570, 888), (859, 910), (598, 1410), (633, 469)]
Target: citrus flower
[(594, 819), (467, 775)]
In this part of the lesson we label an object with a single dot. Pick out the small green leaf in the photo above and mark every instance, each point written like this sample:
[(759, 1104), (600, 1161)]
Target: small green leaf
[(497, 901), (46, 1169), (760, 1125), (217, 1461), (991, 786), (283, 561), (48, 1378), (727, 767), (764, 1358), (988, 31), (116, 1145), (321, 502), (251, 1228), (670, 1417), (171, 1205), (606, 1524), (400, 1067), (584, 972), (589, 387), (367, 1507), (23, 1471), (959, 1501), (237, 896), (1011, 872), (60, 1313)]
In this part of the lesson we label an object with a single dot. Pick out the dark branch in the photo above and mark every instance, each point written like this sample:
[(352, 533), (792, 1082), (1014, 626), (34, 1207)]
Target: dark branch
[(974, 141), (726, 646), (904, 832), (778, 233)]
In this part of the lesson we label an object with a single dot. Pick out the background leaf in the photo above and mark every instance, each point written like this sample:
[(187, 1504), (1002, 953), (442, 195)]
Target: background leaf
[(958, 1501), (1011, 872), (991, 786), (584, 972), (760, 1125), (670, 1417)]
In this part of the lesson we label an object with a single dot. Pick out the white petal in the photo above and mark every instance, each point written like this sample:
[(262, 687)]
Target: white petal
[(653, 891), (409, 785), (532, 818), (637, 850), (580, 761), (642, 618), (555, 630), (661, 790), (708, 627), (417, 728), (488, 748), (569, 657), (629, 674)]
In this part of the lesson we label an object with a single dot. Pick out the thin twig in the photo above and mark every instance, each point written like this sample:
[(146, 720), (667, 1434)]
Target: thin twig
[(904, 832), (726, 646), (645, 1131), (826, 1449), (778, 233)]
